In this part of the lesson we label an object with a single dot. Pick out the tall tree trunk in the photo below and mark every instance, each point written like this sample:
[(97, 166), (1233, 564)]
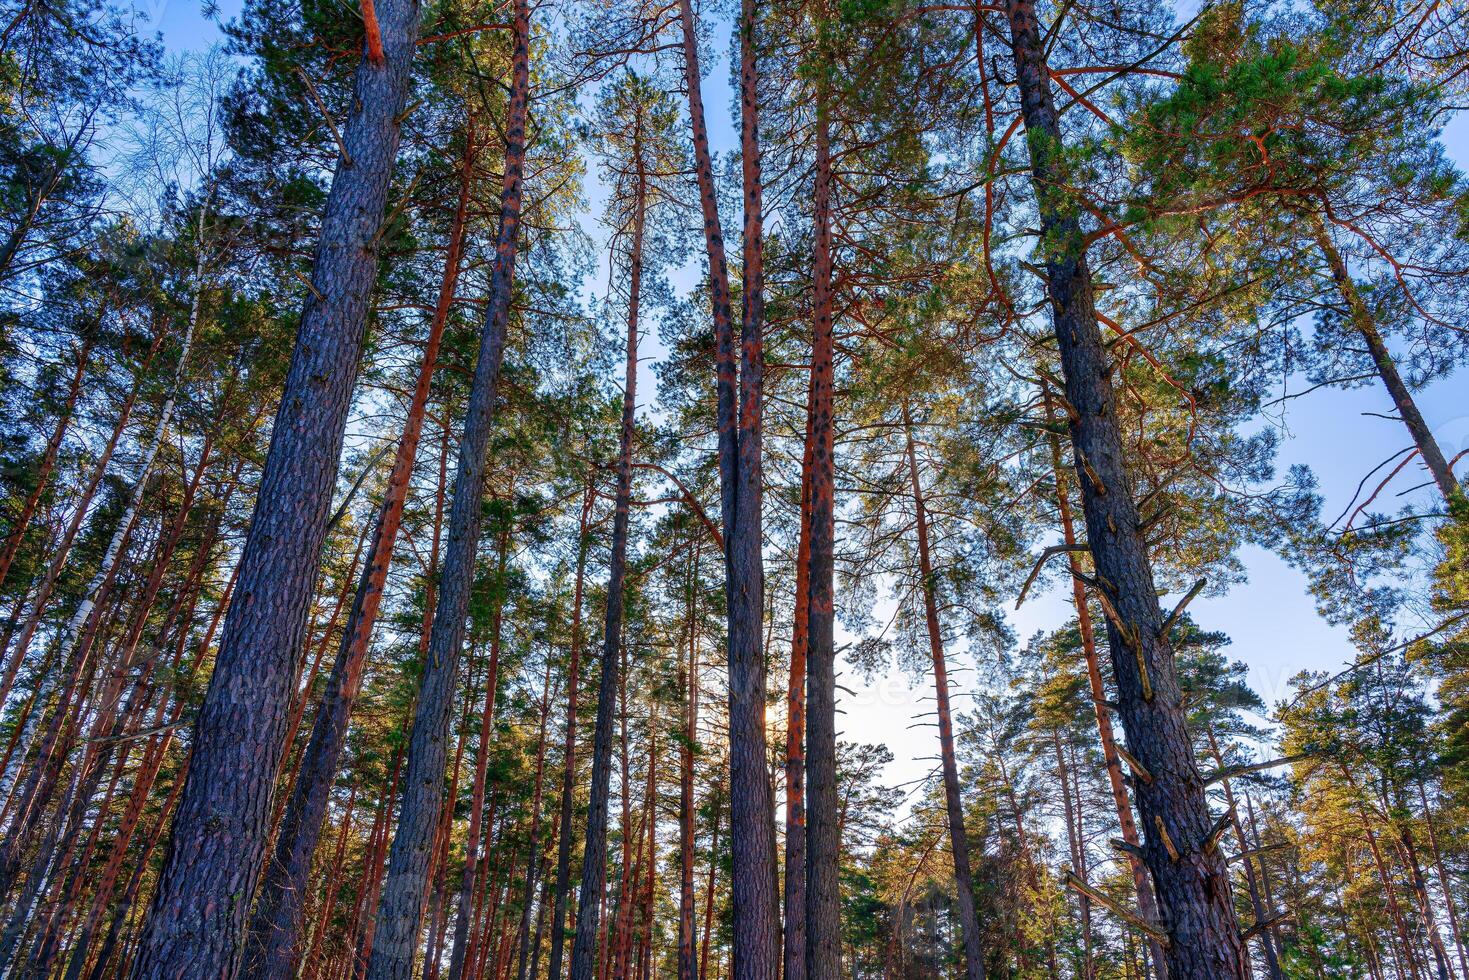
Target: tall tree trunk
[(953, 801), (196, 924), (1122, 804), (469, 874), (1443, 880), (568, 772), (533, 852), (403, 889), (1189, 873), (823, 834), (594, 855), (16, 654), (1071, 806), (795, 843), (754, 873), (275, 928), (1262, 911), (689, 684)]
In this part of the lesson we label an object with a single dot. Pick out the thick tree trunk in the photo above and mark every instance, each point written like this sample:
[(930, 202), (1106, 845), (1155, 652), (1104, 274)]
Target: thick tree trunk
[(1121, 801), (953, 801), (823, 831), (594, 855), (1189, 873), (196, 923), (754, 872), (275, 928), (403, 889)]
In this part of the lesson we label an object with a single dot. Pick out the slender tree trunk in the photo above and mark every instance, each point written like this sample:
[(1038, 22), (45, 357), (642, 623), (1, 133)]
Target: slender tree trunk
[(709, 889), (754, 872), (1074, 839), (1257, 902), (196, 924), (1387, 369), (823, 835), (1190, 875), (532, 870), (689, 684), (1443, 881), (403, 888), (953, 801), (594, 856), (568, 772), (752, 831), (16, 654), (470, 872)]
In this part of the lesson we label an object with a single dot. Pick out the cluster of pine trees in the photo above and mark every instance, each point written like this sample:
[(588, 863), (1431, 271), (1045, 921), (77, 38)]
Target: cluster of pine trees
[(364, 615)]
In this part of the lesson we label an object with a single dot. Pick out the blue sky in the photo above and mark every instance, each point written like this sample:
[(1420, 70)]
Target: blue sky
[(1271, 617)]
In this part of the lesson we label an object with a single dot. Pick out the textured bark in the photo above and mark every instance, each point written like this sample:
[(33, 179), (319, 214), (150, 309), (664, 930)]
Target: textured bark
[(1190, 876), (1121, 802), (823, 827), (401, 904), (594, 854), (568, 772), (275, 931), (752, 829), (197, 920), (953, 802), (754, 873)]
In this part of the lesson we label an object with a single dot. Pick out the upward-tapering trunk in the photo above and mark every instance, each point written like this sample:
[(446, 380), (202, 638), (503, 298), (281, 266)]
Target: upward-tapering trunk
[(823, 829), (1387, 369), (754, 886), (401, 905), (794, 948), (568, 771), (196, 923), (275, 929), (689, 684), (1101, 710), (738, 420), (594, 852), (953, 803), (469, 874), (533, 851), (1189, 871)]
